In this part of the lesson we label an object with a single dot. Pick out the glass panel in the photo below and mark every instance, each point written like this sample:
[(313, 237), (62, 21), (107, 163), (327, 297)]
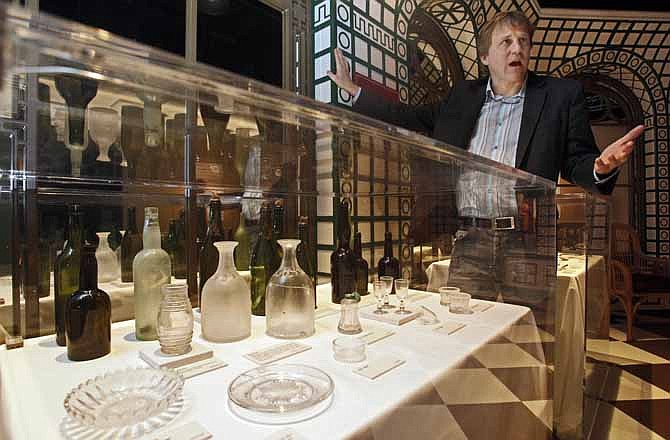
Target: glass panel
[(110, 125)]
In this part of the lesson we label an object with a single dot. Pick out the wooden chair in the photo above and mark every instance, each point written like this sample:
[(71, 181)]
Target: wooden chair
[(633, 276)]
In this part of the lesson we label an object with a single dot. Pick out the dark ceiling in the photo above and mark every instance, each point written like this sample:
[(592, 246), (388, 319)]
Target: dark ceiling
[(622, 5)]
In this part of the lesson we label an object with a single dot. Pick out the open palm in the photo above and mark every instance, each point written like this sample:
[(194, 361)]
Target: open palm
[(617, 152)]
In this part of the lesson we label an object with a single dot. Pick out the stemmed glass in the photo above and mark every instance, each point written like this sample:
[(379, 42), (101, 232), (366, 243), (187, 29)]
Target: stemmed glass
[(379, 289), (388, 286), (402, 290)]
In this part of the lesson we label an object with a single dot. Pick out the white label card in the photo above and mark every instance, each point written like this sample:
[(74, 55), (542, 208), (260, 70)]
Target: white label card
[(200, 367), (276, 352), (190, 431), (449, 327), (377, 367), (481, 307), (375, 335)]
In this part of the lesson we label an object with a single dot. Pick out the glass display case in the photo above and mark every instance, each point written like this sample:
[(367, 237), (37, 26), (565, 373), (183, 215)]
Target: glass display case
[(96, 129)]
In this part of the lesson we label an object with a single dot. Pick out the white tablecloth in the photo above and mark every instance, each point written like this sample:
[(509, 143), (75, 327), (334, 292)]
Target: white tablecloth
[(35, 379)]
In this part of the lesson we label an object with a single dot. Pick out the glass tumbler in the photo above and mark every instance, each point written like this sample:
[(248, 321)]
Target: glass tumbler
[(445, 293), (175, 320), (349, 322)]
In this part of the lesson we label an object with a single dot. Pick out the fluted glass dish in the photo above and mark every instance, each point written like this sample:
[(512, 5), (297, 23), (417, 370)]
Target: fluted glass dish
[(280, 388), (125, 403)]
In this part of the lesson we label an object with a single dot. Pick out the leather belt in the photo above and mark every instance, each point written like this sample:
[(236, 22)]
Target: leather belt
[(495, 224)]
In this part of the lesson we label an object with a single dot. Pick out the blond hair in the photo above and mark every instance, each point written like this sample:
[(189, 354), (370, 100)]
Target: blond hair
[(511, 18)]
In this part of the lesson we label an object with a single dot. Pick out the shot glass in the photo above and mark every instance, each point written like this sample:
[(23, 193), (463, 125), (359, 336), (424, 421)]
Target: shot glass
[(459, 302), (445, 292), (349, 349)]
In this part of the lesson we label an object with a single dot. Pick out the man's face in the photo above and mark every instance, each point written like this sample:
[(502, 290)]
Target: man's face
[(508, 55)]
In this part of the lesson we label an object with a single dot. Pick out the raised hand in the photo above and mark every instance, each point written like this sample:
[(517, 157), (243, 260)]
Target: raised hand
[(343, 76), (617, 152)]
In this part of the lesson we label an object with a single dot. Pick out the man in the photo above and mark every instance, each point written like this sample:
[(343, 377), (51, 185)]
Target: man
[(550, 130), (536, 123)]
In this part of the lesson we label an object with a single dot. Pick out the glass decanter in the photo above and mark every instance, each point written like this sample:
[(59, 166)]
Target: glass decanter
[(226, 300), (289, 303), (108, 265), (175, 320)]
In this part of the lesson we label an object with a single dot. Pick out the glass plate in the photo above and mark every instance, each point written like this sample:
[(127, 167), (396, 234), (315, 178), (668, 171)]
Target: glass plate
[(124, 403), (280, 388), (267, 418)]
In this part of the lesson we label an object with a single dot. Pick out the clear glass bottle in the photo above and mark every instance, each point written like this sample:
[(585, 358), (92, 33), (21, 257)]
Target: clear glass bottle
[(290, 298), (342, 269), (265, 260), (242, 250), (151, 271), (226, 300), (108, 265), (66, 271), (175, 320), (88, 315), (131, 244), (209, 256)]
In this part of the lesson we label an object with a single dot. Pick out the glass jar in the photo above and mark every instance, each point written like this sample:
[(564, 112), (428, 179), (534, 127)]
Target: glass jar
[(349, 322), (175, 320), (289, 303)]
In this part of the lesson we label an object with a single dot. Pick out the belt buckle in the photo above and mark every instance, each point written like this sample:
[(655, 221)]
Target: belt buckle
[(503, 223)]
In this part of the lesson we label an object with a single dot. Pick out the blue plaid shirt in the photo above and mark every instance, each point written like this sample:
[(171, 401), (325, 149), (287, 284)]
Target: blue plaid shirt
[(496, 136)]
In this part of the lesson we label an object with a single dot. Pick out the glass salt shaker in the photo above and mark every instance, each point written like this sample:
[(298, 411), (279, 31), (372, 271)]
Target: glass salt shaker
[(349, 322)]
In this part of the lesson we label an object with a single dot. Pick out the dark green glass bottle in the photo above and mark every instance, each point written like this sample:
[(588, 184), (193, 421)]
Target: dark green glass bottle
[(209, 255), (66, 271), (342, 269), (388, 264), (265, 261), (131, 244), (242, 250), (88, 315), (304, 251), (361, 267)]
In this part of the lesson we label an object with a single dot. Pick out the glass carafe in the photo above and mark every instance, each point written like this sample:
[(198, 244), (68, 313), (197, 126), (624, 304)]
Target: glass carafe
[(226, 300), (175, 320), (289, 303), (108, 265)]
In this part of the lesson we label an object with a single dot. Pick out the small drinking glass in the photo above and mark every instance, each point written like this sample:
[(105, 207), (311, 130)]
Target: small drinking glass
[(349, 349), (459, 302), (379, 289), (349, 323), (445, 292), (402, 290), (388, 286)]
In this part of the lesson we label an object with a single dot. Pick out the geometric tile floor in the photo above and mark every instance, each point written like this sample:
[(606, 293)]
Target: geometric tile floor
[(629, 383), (503, 391)]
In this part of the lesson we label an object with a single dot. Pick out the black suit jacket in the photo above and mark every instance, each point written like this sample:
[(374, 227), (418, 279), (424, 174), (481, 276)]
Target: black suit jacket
[(555, 135)]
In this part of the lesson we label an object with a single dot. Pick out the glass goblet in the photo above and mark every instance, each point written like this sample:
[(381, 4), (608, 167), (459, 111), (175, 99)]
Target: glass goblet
[(379, 289), (388, 285), (402, 290)]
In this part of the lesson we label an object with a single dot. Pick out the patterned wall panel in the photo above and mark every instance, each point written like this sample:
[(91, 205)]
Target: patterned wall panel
[(631, 48)]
